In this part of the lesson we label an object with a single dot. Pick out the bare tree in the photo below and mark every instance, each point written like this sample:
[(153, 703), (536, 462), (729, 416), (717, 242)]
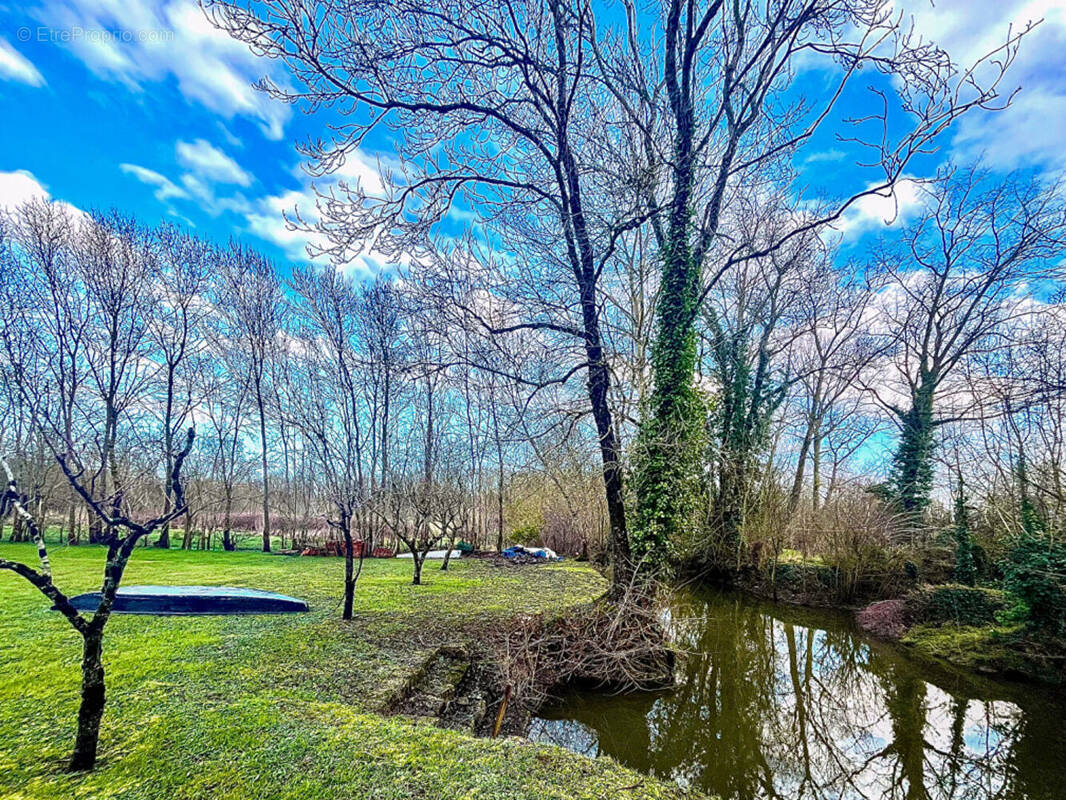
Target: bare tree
[(379, 312), (452, 512), (42, 237), (181, 270), (407, 509), (752, 325), (432, 72), (113, 259), (835, 349), (225, 403), (251, 301), (953, 282), (328, 406), (121, 536)]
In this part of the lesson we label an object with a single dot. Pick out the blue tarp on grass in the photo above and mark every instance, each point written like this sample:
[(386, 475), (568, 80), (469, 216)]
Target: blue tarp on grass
[(193, 600)]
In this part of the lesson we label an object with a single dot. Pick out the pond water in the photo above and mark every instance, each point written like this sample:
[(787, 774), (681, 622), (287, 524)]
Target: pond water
[(781, 702)]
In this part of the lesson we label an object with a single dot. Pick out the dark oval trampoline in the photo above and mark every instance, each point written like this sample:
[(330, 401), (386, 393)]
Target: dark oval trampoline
[(168, 600)]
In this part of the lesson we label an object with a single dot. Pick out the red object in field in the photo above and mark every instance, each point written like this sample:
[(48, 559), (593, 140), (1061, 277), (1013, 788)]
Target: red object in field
[(382, 552), (335, 547)]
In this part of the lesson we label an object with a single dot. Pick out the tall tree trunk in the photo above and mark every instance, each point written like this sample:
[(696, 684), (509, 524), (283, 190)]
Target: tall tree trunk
[(912, 466), (814, 423), (72, 509), (499, 476), (293, 499), (168, 453), (599, 382), (729, 509), (499, 510), (227, 520), (621, 558), (349, 569), (91, 710), (266, 477), (816, 470), (579, 249), (72, 518), (448, 552), (97, 534), (801, 466), (186, 540)]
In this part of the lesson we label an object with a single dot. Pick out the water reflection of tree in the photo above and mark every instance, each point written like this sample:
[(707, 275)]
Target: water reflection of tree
[(804, 709)]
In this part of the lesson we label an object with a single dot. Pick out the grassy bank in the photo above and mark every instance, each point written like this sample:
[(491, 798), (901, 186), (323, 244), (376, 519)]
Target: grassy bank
[(1006, 651), (276, 706), (966, 627)]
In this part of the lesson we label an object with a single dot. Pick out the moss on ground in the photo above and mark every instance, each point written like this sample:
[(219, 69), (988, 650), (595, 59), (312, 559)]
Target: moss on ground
[(283, 706), (1005, 650)]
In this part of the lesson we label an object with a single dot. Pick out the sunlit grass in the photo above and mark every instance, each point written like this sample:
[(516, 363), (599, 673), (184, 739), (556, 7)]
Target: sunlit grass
[(275, 706)]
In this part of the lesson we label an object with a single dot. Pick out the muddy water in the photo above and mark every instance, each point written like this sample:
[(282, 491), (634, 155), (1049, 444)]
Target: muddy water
[(780, 702)]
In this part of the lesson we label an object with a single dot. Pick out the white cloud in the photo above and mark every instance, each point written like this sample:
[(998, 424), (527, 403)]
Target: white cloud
[(207, 167), (168, 38), (1031, 131), (876, 210), (207, 161), (266, 218), (210, 168), (165, 188), (16, 67), (822, 156), (19, 186), (363, 171)]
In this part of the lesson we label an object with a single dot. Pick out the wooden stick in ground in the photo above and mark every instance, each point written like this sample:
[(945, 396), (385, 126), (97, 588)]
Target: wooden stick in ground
[(502, 711)]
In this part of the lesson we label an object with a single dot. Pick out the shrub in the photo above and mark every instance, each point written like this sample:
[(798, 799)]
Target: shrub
[(566, 513), (863, 543), (526, 533), (1035, 574), (965, 566), (886, 619), (954, 603)]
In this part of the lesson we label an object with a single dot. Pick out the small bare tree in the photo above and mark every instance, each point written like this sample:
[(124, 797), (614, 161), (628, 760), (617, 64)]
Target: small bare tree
[(328, 405), (453, 513), (407, 509), (122, 534)]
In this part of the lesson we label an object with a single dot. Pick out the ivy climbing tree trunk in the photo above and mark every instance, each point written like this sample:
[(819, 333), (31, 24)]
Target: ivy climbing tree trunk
[(912, 465), (668, 453), (965, 570)]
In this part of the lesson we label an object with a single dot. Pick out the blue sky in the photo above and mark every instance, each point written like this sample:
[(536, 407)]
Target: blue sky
[(144, 107), (159, 119)]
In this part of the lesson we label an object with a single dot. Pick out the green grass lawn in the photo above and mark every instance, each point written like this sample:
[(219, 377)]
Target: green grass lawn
[(284, 706)]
